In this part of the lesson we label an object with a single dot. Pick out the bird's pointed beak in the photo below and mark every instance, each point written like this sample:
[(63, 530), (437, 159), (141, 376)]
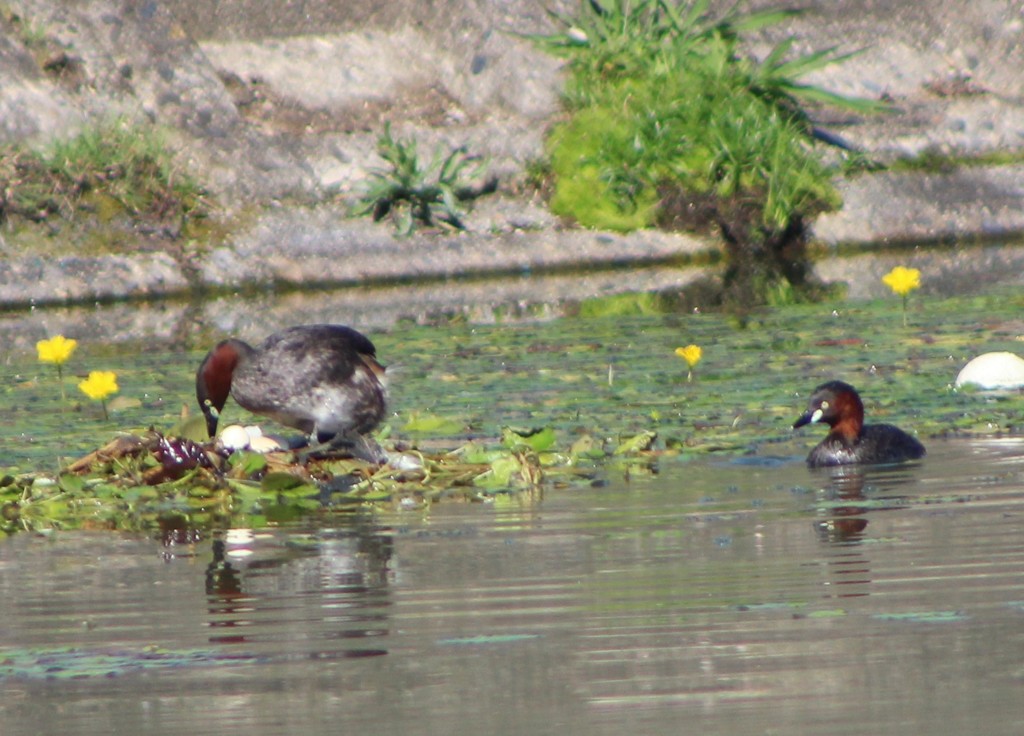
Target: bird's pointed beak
[(212, 419), (809, 417)]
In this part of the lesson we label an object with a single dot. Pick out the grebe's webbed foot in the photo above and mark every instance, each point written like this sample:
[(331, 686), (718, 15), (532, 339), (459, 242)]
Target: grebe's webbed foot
[(358, 446)]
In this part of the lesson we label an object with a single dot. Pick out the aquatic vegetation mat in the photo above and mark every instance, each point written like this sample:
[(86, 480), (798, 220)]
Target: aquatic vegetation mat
[(175, 484), (505, 413)]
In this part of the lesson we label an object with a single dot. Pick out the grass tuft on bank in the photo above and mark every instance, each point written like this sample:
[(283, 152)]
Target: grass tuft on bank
[(113, 175)]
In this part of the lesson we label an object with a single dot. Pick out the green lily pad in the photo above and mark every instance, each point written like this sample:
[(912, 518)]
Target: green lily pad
[(280, 482), (487, 639), (924, 617), (636, 443), (433, 424), (77, 664), (537, 440), (248, 463)]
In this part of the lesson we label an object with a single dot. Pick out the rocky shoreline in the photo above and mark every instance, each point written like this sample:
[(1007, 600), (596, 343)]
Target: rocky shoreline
[(278, 113)]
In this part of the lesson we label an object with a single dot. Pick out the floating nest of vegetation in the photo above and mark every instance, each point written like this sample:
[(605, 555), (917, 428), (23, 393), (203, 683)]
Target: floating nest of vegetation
[(152, 480)]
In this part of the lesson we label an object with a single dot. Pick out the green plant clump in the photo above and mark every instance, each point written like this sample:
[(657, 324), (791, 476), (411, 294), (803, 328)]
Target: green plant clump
[(115, 172), (671, 125), (412, 191)]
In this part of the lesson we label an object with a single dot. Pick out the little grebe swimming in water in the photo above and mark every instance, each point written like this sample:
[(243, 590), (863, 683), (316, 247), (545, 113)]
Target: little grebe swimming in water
[(850, 440), (323, 380)]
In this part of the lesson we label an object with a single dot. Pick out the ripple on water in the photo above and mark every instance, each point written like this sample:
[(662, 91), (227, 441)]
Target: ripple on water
[(597, 609)]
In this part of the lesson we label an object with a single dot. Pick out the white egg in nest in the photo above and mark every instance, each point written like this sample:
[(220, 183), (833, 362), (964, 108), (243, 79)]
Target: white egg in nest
[(264, 444), (236, 437), (233, 437)]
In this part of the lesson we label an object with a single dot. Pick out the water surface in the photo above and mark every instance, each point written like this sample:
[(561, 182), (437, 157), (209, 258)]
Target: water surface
[(720, 587), (714, 597)]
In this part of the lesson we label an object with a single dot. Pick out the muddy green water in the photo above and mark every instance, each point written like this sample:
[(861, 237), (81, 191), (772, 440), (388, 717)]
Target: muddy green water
[(611, 371), (728, 589)]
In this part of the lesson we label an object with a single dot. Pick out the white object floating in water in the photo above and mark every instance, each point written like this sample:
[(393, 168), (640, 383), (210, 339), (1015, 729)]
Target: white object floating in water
[(993, 370)]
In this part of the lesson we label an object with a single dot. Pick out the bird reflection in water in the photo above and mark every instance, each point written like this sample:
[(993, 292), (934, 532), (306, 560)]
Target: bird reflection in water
[(846, 522), (334, 582), (224, 595), (853, 492)]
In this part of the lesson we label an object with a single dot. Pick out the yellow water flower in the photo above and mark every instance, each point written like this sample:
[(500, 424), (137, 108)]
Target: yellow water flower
[(56, 350), (692, 355), (98, 386), (902, 280)]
